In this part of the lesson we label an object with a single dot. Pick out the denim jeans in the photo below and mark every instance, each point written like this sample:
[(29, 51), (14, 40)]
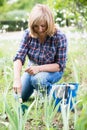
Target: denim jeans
[(40, 80)]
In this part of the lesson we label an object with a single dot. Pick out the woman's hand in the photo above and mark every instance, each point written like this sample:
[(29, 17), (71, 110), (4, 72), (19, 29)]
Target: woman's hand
[(33, 70), (17, 86)]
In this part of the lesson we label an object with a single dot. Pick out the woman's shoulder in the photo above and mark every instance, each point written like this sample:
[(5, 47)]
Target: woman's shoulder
[(26, 33), (59, 33), (60, 37)]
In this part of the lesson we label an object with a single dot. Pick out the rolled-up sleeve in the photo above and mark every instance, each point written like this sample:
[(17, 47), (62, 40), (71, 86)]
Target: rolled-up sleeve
[(23, 48), (61, 55)]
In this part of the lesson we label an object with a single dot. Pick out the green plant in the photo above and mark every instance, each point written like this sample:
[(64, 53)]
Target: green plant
[(16, 118), (81, 123), (49, 111)]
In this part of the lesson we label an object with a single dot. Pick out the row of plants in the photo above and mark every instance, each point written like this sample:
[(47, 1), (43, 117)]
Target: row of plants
[(39, 115)]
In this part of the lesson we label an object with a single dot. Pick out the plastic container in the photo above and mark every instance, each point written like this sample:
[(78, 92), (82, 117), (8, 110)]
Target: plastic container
[(65, 93)]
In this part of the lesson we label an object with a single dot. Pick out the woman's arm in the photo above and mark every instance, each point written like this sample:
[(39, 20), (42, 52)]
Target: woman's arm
[(43, 68), (49, 67), (17, 76), (19, 60)]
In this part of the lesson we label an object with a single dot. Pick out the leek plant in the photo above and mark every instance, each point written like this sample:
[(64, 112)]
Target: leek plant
[(50, 110), (16, 118), (65, 111), (14, 111)]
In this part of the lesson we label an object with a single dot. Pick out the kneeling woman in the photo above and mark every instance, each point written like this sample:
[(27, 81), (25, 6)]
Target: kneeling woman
[(46, 48)]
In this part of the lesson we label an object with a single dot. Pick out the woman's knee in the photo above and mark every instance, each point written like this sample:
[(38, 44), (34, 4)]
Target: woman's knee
[(38, 80)]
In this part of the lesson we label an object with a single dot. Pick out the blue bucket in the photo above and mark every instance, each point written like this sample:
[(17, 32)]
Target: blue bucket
[(65, 91)]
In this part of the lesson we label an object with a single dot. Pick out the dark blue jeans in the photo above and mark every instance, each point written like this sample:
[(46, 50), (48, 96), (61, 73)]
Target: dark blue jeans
[(42, 79)]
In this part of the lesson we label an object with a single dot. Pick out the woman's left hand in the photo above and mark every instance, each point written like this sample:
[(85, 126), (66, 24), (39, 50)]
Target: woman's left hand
[(32, 70)]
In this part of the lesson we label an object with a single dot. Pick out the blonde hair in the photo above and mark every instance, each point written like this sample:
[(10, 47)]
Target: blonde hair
[(40, 13)]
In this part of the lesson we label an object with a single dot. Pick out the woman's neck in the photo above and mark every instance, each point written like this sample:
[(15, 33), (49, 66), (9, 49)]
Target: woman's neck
[(42, 38)]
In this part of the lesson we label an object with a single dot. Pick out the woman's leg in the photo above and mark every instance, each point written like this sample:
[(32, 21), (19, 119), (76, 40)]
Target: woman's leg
[(45, 79), (27, 88)]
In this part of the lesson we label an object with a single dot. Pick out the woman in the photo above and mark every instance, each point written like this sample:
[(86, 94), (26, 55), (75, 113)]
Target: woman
[(46, 48)]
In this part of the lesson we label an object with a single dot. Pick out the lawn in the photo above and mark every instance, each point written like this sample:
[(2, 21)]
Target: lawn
[(40, 116)]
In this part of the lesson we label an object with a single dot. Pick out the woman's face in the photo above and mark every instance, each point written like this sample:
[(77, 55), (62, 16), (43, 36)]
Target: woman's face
[(40, 28)]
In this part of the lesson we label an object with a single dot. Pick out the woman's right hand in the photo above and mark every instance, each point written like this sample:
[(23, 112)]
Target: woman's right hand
[(17, 86)]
